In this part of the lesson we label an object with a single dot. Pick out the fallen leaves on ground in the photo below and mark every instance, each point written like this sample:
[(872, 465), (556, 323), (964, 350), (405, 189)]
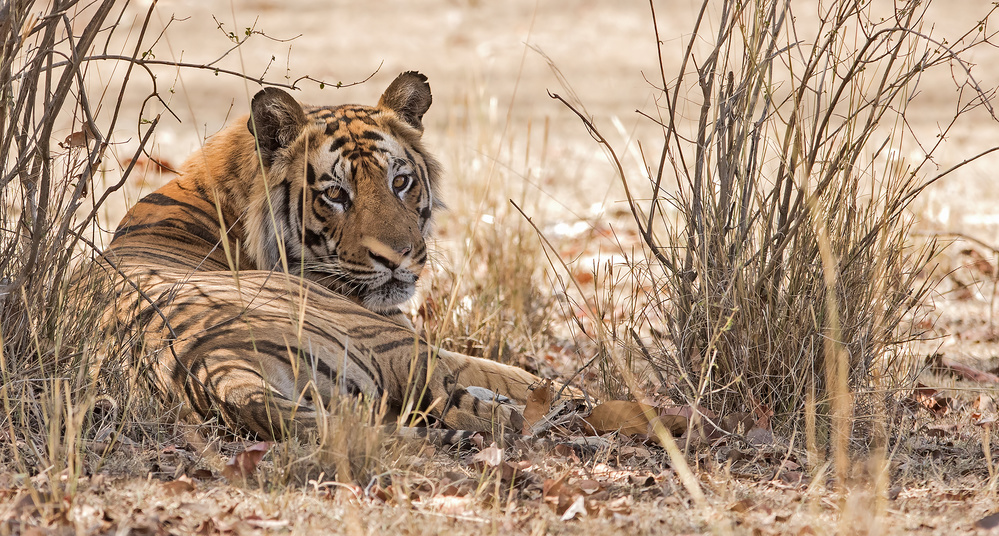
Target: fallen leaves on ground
[(988, 522), (633, 419), (493, 457), (941, 363), (539, 403), (244, 463), (930, 399), (179, 486)]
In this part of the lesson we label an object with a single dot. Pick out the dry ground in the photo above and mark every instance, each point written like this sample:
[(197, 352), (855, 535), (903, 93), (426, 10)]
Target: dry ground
[(502, 137)]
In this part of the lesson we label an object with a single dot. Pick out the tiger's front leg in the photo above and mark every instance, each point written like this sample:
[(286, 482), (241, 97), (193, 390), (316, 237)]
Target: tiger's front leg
[(451, 376), (509, 381)]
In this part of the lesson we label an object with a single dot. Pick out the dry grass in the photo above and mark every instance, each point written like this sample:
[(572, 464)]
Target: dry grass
[(487, 294), (779, 275)]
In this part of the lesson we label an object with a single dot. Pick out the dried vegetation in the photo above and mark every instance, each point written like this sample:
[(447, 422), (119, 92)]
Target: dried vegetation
[(763, 312)]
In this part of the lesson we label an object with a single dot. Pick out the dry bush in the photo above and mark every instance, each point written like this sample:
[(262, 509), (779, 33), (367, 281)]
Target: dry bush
[(778, 275), (49, 346)]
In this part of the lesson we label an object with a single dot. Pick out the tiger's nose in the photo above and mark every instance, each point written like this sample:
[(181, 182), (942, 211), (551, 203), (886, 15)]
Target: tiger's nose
[(388, 256), (391, 264)]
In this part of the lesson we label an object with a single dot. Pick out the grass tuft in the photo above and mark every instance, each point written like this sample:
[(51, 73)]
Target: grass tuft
[(778, 275)]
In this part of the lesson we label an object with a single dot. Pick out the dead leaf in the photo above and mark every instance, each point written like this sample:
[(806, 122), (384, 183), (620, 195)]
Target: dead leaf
[(620, 506), (988, 522), (742, 506), (266, 524), (985, 419), (450, 505), (967, 372), (762, 413), (931, 399), (556, 495), (958, 495), (539, 403), (737, 423), (510, 470), (577, 508), (985, 403), (589, 486), (492, 456), (676, 424), (759, 437), (379, 493), (477, 440), (633, 451), (552, 487), (700, 427), (202, 474), (80, 138), (563, 449), (794, 478), (456, 488), (941, 430), (181, 485), (622, 416), (733, 454), (245, 463), (642, 481)]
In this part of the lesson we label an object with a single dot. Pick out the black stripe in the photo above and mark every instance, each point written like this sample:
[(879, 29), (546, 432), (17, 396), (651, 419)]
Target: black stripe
[(314, 240), (338, 143), (310, 174), (362, 363)]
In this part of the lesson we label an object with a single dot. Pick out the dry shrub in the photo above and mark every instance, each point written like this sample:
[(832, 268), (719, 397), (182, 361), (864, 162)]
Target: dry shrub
[(49, 345), (778, 275)]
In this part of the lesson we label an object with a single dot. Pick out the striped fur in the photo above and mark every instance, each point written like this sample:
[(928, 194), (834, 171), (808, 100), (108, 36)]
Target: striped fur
[(265, 280)]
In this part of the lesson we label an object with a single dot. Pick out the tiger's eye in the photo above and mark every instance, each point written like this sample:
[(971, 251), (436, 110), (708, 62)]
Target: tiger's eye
[(401, 183), (337, 195)]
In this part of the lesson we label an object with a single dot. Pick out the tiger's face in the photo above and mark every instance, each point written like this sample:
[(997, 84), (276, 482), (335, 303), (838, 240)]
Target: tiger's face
[(357, 188)]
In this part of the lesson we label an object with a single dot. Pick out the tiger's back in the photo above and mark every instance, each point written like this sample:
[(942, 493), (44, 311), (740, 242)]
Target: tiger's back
[(265, 280)]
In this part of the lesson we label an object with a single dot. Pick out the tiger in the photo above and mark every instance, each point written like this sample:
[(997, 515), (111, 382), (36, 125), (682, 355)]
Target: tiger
[(265, 280)]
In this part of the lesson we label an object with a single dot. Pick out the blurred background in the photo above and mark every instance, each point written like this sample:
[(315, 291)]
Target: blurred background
[(491, 66)]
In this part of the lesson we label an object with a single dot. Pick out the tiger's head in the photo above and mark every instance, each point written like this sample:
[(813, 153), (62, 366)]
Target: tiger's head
[(348, 192)]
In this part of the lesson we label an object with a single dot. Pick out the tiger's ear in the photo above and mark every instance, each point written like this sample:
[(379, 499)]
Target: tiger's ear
[(276, 120), (409, 97)]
